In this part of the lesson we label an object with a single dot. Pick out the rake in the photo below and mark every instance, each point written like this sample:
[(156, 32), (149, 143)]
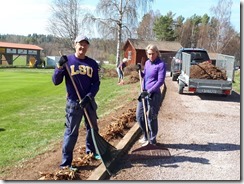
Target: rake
[(149, 150), (107, 151)]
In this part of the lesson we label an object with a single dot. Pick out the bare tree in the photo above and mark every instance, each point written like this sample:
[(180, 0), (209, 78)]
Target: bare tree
[(145, 28), (179, 27), (195, 22), (118, 19), (65, 21), (185, 37), (203, 38), (222, 14)]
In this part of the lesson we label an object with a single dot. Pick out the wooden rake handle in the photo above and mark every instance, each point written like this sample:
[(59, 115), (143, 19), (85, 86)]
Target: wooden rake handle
[(144, 107)]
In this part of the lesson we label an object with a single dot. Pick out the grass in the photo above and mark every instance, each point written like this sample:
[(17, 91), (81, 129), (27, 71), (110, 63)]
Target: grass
[(19, 61), (32, 112), (236, 83)]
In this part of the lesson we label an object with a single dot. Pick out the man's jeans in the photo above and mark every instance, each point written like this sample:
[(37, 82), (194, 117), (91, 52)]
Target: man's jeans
[(74, 115)]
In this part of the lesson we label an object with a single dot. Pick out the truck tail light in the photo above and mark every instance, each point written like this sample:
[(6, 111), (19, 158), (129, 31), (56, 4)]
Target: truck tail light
[(226, 92), (192, 89)]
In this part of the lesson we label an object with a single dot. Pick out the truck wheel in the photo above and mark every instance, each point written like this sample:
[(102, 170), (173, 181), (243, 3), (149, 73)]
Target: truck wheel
[(180, 87), (174, 77)]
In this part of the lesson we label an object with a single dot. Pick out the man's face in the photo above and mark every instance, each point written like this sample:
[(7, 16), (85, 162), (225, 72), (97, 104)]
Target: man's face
[(81, 48), (151, 55)]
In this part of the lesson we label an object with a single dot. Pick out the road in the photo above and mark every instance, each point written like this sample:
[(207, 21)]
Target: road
[(202, 135)]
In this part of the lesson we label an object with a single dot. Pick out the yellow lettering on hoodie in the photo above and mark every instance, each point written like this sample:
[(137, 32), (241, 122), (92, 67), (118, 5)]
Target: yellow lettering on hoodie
[(83, 70)]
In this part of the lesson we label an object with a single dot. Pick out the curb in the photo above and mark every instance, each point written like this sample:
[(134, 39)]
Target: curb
[(100, 173)]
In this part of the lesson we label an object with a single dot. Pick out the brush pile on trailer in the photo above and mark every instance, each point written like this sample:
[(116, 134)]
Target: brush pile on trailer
[(206, 70), (205, 77)]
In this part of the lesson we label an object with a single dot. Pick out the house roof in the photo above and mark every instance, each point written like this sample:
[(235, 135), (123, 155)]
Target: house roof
[(19, 46), (162, 45)]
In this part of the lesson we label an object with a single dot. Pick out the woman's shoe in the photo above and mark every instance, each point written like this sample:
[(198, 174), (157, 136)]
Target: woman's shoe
[(142, 140)]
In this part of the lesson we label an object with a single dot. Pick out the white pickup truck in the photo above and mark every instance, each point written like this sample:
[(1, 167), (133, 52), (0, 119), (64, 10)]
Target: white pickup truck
[(224, 87)]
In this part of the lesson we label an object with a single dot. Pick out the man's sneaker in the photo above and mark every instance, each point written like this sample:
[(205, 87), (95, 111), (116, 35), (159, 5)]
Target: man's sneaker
[(142, 140), (63, 167), (69, 168), (97, 156), (73, 169)]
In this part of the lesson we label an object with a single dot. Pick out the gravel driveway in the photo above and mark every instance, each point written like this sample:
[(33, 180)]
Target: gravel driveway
[(202, 134)]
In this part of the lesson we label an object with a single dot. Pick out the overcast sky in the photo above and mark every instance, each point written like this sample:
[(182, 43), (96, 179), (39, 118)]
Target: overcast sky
[(23, 17)]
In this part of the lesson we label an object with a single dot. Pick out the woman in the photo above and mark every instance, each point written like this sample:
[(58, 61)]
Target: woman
[(153, 78)]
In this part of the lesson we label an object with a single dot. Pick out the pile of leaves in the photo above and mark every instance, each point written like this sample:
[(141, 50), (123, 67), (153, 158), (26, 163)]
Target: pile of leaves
[(83, 161), (133, 77), (117, 128), (63, 174), (206, 70), (107, 72)]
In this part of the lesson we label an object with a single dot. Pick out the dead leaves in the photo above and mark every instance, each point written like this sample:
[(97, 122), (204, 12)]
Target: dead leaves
[(116, 128), (63, 174)]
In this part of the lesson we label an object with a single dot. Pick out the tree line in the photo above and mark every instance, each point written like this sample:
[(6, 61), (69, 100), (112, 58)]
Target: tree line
[(100, 49), (214, 34)]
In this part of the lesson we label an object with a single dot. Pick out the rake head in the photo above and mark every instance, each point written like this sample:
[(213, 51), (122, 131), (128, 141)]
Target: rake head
[(150, 151), (107, 151)]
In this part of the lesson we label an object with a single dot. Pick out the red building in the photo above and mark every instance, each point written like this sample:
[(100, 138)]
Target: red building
[(134, 50)]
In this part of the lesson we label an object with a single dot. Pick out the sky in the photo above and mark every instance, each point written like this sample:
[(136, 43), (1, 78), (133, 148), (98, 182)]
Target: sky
[(31, 16)]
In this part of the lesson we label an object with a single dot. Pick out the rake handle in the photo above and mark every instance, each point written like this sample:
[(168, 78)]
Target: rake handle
[(144, 107)]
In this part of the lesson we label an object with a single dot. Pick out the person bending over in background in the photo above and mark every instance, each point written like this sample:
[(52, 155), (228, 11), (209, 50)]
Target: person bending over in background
[(84, 71), (153, 78), (120, 71)]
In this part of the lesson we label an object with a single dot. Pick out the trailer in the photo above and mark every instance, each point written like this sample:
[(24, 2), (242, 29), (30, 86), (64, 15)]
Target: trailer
[(211, 86)]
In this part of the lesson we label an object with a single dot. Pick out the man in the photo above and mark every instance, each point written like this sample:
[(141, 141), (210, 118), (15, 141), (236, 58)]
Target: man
[(154, 76), (84, 71)]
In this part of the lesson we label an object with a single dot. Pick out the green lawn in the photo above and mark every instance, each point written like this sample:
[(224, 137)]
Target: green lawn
[(19, 61), (236, 83), (32, 111)]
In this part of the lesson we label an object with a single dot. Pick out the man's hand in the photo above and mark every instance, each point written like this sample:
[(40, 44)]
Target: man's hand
[(138, 67), (86, 100), (62, 60)]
